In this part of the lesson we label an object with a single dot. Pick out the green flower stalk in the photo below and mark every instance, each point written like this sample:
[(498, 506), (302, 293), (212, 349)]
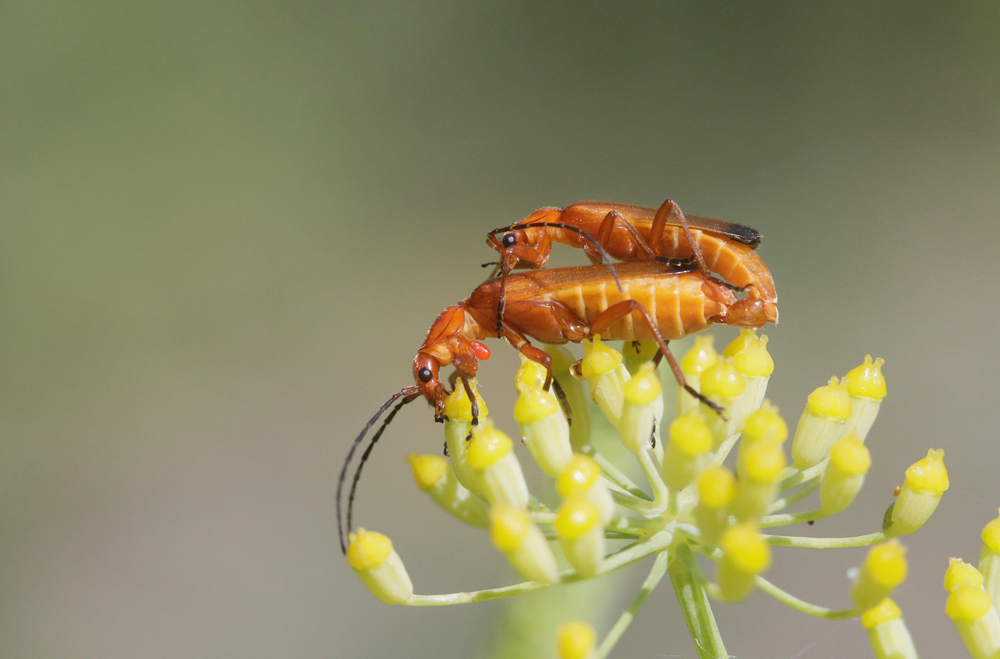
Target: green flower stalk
[(714, 492)]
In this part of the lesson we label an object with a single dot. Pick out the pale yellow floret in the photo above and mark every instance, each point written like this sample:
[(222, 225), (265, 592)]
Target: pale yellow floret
[(379, 567), (534, 405), (368, 549), (531, 375), (644, 387), (576, 517), (487, 447), (716, 487), (883, 612), (598, 359), (690, 434), (765, 424), (968, 603), (959, 574), (844, 474), (428, 470), (579, 475), (971, 609), (740, 343), (991, 535), (744, 548), (867, 380), (576, 640), (832, 401), (700, 356), (752, 359), (883, 570), (887, 633), (928, 474), (458, 406), (721, 381), (850, 456), (761, 462), (508, 526), (745, 555), (523, 544)]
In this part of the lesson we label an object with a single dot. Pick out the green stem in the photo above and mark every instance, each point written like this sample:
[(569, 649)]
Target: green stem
[(615, 475), (825, 543), (794, 497), (785, 597), (697, 609), (628, 615), (624, 556)]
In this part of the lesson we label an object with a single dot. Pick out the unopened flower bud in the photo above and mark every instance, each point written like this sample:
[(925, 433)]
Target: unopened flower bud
[(866, 385), (457, 428), (694, 362), (642, 409), (882, 572), (379, 566), (844, 474), (887, 633), (752, 360), (765, 424), (716, 491), (722, 384), (745, 555), (975, 618), (531, 375), (576, 641), (523, 543), (490, 454), (926, 480), (759, 466), (581, 535), (686, 450), (602, 367), (821, 424), (582, 478), (959, 574), (544, 429), (435, 476), (989, 558)]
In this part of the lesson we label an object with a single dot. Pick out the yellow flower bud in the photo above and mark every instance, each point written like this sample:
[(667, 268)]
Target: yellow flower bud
[(372, 557), (926, 480), (745, 555), (523, 544), (576, 641), (821, 424), (882, 572)]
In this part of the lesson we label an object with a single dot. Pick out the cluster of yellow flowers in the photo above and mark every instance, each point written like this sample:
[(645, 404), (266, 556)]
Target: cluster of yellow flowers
[(690, 502)]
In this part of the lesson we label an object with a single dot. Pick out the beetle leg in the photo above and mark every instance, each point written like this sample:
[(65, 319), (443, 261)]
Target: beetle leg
[(616, 312), (660, 220), (614, 220)]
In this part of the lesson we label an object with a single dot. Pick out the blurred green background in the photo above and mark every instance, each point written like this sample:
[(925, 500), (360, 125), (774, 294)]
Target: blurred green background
[(226, 227)]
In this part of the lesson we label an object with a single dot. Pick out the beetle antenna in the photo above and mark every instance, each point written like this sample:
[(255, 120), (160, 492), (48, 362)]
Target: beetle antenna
[(408, 394)]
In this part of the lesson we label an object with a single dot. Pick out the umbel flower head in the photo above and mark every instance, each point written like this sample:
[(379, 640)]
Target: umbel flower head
[(700, 494)]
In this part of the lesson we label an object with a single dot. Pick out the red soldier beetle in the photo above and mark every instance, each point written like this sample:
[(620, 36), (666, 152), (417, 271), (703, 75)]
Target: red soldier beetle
[(650, 302), (637, 233)]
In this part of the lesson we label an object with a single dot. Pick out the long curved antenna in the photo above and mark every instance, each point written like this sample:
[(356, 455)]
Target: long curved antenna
[(408, 394)]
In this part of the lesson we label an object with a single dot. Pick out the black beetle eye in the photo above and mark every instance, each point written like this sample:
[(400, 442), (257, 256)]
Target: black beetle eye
[(425, 375), (509, 240)]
